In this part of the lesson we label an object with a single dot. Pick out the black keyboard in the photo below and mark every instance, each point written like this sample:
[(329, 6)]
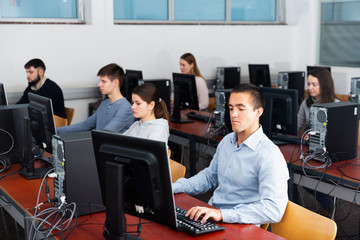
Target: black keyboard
[(281, 139), (194, 228), (199, 117)]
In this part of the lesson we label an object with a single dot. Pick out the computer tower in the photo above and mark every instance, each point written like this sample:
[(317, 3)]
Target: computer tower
[(227, 77), (164, 87), (222, 115), (293, 80), (77, 177), (355, 90), (334, 129)]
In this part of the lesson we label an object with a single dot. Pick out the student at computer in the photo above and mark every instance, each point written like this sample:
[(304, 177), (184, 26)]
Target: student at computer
[(114, 112), (248, 171), (43, 86), (321, 90), (151, 112), (188, 66)]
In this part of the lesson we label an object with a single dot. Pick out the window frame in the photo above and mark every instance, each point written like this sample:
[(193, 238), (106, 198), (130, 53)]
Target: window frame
[(79, 20), (280, 18)]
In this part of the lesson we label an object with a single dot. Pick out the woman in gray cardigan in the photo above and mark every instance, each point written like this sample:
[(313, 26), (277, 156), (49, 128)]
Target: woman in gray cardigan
[(151, 112)]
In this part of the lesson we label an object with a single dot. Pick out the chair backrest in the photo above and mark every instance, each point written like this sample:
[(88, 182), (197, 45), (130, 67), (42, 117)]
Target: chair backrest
[(69, 112), (60, 122), (177, 169), (301, 223)]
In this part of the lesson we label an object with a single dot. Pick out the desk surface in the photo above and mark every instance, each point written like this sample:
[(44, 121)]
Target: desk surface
[(22, 195)]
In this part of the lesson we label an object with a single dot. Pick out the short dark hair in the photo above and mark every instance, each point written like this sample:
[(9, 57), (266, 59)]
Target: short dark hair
[(112, 71), (258, 97), (36, 63)]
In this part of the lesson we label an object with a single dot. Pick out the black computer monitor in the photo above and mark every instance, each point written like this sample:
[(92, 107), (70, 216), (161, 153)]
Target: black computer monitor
[(293, 80), (164, 88), (280, 113), (185, 96), (3, 98), (42, 123), (130, 82), (260, 75), (228, 77), (312, 68), (133, 174)]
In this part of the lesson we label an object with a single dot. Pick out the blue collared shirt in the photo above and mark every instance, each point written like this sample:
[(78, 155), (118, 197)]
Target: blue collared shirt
[(250, 181)]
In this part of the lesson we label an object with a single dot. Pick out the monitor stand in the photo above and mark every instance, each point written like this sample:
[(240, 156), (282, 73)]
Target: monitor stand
[(115, 223)]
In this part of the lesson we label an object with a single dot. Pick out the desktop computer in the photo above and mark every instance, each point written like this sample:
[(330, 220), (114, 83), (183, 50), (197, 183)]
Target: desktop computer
[(334, 129), (75, 167), (293, 80), (355, 90), (227, 77), (222, 117)]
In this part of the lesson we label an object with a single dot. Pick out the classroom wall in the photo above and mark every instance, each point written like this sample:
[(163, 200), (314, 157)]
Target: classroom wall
[(74, 53)]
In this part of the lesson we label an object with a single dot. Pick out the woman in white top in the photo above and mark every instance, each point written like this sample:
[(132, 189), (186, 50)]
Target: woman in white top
[(151, 112), (321, 90), (188, 66)]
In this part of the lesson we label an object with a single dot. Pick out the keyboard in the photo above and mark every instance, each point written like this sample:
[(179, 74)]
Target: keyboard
[(199, 117), (194, 228), (281, 139)]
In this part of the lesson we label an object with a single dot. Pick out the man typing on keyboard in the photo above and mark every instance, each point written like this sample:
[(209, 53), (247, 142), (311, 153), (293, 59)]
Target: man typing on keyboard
[(248, 172)]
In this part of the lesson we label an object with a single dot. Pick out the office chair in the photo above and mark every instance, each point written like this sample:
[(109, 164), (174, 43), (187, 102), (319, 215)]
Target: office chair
[(60, 122), (177, 170), (301, 223), (69, 112)]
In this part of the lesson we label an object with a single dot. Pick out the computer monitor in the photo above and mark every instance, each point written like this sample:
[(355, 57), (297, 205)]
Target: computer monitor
[(185, 96), (260, 75), (164, 88), (3, 98), (280, 113), (312, 68), (227, 77), (293, 80), (130, 82), (42, 123), (134, 173)]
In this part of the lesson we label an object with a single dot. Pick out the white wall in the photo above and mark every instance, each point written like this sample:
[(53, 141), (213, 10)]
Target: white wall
[(74, 53)]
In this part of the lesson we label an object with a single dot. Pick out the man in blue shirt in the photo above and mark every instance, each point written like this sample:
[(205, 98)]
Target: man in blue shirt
[(248, 171), (114, 112)]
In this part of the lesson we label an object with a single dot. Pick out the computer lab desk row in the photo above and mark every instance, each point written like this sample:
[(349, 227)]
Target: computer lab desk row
[(341, 179), (18, 196)]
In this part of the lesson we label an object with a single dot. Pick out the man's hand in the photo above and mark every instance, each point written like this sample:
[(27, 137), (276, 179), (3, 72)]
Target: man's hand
[(206, 213)]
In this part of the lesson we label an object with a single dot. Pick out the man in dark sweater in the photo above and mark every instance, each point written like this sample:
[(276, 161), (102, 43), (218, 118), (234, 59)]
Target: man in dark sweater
[(39, 84)]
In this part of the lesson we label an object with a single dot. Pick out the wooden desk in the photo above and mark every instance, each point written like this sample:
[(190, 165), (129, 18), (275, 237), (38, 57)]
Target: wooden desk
[(341, 179), (19, 195)]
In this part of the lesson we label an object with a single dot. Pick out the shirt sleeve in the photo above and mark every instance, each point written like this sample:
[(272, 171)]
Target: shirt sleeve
[(273, 176), (202, 92), (301, 115), (86, 125), (121, 121)]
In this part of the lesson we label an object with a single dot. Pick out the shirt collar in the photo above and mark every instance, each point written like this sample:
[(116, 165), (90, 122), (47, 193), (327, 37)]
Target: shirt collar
[(42, 81), (252, 141)]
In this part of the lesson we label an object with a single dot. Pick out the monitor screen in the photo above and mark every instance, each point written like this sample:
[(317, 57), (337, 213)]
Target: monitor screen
[(130, 82), (280, 113), (185, 95), (42, 124), (134, 173), (312, 68), (260, 75), (3, 98), (164, 88), (293, 80)]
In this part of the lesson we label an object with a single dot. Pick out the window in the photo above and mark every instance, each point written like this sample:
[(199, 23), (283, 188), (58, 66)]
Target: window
[(198, 11), (340, 33), (41, 11)]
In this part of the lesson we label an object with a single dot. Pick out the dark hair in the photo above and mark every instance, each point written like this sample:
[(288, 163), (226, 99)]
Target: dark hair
[(327, 90), (36, 63), (112, 71), (148, 92), (258, 97)]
